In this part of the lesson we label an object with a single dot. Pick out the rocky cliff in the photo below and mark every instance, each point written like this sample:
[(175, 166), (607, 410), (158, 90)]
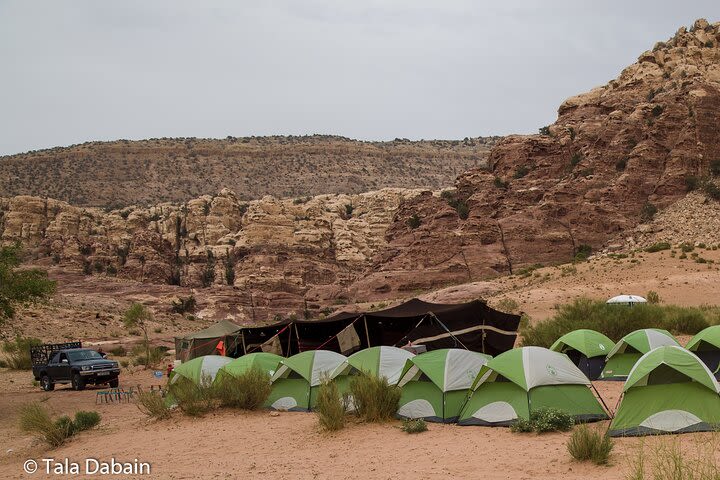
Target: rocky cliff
[(614, 156), (122, 173)]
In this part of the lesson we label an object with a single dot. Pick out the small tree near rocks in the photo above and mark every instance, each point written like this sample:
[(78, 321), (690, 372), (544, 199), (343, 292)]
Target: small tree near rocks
[(138, 316)]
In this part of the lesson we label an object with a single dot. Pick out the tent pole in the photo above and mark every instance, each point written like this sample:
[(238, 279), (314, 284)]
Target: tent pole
[(367, 332), (603, 401), (242, 335), (416, 325), (450, 333), (289, 345)]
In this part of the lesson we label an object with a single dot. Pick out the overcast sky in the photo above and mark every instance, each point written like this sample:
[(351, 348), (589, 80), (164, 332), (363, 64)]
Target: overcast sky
[(74, 71)]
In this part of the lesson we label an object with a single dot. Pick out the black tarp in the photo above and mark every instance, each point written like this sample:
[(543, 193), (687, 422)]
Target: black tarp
[(473, 325)]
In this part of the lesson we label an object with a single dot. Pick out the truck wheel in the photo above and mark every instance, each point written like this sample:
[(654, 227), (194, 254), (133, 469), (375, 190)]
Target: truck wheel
[(46, 384), (114, 383), (78, 383)]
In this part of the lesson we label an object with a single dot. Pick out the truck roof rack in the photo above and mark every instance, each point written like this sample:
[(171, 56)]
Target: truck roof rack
[(40, 354)]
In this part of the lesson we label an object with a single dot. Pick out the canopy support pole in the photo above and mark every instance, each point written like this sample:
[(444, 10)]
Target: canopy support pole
[(367, 332), (451, 334), (610, 413)]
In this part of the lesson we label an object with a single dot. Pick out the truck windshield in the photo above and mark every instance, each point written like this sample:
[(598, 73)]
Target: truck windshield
[(81, 355)]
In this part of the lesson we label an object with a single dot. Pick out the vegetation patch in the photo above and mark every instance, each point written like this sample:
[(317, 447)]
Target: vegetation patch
[(330, 407), (589, 444), (374, 399), (414, 425), (247, 391), (616, 321), (544, 420), (35, 419), (656, 247)]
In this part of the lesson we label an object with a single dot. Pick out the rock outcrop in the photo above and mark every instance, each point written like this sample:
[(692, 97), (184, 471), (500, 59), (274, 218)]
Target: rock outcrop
[(614, 155)]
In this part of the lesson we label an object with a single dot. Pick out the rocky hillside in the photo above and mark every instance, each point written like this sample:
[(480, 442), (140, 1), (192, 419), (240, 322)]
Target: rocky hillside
[(122, 173), (615, 155)]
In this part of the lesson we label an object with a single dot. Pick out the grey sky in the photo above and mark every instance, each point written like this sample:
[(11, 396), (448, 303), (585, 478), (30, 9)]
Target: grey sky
[(74, 71)]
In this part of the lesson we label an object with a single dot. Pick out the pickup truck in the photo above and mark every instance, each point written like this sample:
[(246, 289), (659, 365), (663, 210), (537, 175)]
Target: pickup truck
[(70, 363)]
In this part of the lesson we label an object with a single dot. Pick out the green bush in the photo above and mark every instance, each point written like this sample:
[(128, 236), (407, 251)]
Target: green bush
[(590, 444), (414, 221), (330, 407), (521, 171), (687, 247), (85, 420), (35, 419), (652, 297), (18, 352), (648, 212), (414, 425), (247, 391), (621, 164), (374, 399), (193, 400), (656, 247), (184, 305), (118, 351), (582, 252), (616, 321), (500, 183), (544, 420), (153, 405), (691, 183)]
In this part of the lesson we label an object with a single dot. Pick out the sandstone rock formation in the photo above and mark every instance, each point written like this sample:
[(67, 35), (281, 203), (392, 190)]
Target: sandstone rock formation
[(614, 155)]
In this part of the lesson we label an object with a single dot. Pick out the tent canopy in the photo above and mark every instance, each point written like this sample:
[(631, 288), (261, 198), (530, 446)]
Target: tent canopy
[(670, 364), (643, 341), (267, 362), (313, 366), (199, 369), (626, 300), (530, 367), (449, 369), (588, 342), (381, 361), (707, 339)]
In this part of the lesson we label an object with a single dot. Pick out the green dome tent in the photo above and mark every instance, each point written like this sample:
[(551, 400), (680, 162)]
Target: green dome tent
[(199, 370), (435, 384), (267, 362), (381, 361), (630, 348), (669, 390), (706, 345), (523, 380), (297, 379), (586, 348)]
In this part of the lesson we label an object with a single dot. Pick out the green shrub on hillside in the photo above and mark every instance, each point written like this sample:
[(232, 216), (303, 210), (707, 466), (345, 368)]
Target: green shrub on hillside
[(656, 247), (616, 321)]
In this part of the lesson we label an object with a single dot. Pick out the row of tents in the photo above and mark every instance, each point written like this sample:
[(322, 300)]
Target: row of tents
[(667, 388), (473, 326), (601, 359)]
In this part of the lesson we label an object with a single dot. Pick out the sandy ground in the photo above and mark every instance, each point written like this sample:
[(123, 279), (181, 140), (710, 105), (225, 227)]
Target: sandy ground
[(229, 444)]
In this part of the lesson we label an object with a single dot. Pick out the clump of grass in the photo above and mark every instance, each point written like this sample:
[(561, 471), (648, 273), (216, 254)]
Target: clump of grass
[(374, 399), (656, 247), (587, 444), (193, 400), (414, 425), (665, 459), (247, 391), (330, 407), (18, 352), (35, 419), (153, 405), (544, 420), (616, 321)]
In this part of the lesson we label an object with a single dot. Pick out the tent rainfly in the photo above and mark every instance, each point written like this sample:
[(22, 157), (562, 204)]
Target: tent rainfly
[(630, 348), (298, 378), (221, 338), (435, 384), (521, 381), (200, 370), (706, 345), (669, 390), (628, 300), (383, 361), (266, 362), (586, 348)]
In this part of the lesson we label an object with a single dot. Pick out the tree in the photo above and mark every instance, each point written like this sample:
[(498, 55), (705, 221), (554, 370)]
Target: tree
[(20, 286), (138, 316)]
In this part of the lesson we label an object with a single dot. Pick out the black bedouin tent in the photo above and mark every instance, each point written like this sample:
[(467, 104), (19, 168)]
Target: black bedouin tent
[(474, 326)]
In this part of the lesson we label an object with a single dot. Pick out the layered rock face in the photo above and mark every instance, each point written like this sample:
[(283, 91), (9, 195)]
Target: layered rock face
[(121, 173), (279, 256), (613, 156)]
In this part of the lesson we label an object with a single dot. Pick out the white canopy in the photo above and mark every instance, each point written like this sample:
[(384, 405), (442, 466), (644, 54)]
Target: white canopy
[(627, 299)]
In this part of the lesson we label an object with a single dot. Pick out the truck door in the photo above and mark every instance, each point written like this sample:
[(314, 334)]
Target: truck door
[(62, 371)]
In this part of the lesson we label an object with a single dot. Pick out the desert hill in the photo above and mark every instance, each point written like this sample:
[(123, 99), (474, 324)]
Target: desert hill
[(122, 173)]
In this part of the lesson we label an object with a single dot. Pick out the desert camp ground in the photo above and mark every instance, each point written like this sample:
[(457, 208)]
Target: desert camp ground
[(278, 444)]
